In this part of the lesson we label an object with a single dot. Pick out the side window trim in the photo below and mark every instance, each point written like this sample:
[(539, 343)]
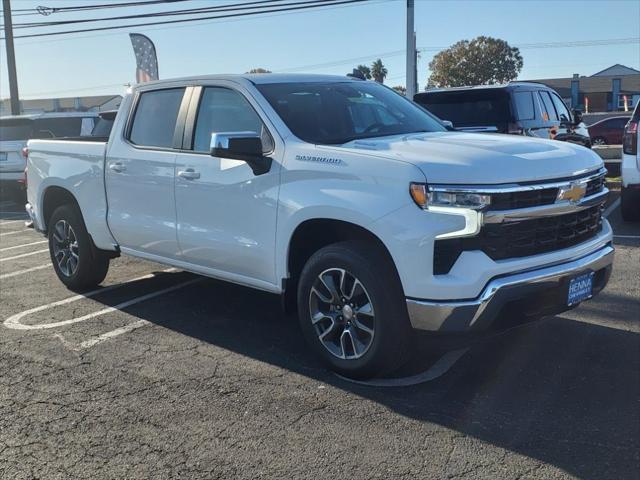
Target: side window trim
[(192, 116), (126, 137)]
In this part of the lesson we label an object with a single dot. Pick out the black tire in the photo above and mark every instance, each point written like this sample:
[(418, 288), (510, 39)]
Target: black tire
[(388, 346), (599, 141), (630, 204), (91, 265)]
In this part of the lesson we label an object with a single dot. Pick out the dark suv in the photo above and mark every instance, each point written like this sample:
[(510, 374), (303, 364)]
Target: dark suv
[(518, 108)]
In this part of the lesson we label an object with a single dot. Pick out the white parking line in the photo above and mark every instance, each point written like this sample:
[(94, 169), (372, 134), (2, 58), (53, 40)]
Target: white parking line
[(24, 245), (21, 272), (442, 366), (13, 232), (14, 322), (611, 208), (114, 333), (9, 222), (23, 255)]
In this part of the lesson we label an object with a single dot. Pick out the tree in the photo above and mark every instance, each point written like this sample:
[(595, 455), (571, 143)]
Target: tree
[(378, 71), (481, 61), (259, 70), (400, 89), (366, 71)]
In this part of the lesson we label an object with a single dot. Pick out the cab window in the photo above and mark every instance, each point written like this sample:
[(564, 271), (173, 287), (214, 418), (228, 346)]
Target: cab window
[(155, 118), (561, 108), (548, 110), (223, 110)]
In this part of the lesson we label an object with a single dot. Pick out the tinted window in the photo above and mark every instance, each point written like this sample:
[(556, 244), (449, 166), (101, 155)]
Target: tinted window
[(561, 108), (224, 110), (337, 112), (155, 118), (102, 128), (547, 107), (469, 108), (57, 127), (524, 105), (15, 130)]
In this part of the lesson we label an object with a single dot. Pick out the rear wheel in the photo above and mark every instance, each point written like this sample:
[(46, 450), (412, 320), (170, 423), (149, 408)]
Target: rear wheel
[(599, 141), (76, 261), (352, 310), (630, 204)]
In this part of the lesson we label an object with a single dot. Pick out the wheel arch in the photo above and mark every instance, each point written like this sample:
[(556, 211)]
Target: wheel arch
[(313, 234), (52, 198)]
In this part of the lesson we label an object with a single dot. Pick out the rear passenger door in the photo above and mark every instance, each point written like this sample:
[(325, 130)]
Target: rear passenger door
[(140, 174), (226, 214)]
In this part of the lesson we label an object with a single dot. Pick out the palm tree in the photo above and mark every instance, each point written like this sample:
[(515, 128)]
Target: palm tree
[(366, 71), (378, 71)]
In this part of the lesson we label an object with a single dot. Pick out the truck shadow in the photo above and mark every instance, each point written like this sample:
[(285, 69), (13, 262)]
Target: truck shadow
[(560, 391)]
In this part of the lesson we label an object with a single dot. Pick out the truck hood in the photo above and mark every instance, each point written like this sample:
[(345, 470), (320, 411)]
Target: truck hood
[(470, 158)]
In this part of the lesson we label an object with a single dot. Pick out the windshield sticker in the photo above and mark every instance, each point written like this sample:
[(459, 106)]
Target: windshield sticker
[(310, 158)]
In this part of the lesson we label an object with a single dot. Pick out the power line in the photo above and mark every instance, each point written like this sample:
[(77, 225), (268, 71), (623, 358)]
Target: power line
[(166, 22), (188, 11), (39, 10), (524, 46)]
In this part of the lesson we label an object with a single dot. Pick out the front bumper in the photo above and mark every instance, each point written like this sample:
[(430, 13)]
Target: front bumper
[(531, 293)]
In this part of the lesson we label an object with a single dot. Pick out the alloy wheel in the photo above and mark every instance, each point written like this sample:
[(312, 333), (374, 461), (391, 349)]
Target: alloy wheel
[(342, 314), (65, 248)]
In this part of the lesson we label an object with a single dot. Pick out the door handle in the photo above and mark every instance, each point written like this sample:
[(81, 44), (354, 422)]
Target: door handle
[(117, 167), (189, 174)]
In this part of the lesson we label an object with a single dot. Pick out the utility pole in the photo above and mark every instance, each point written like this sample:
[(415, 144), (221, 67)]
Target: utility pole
[(411, 52), (11, 58)]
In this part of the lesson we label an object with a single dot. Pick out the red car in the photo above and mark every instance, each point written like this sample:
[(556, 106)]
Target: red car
[(608, 131)]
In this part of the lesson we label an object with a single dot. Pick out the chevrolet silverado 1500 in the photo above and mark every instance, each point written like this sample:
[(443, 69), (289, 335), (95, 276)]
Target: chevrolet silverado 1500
[(343, 196)]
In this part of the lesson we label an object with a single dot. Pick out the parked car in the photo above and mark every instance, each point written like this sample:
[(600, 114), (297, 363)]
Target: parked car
[(347, 199), (15, 131), (630, 194), (519, 108), (608, 131)]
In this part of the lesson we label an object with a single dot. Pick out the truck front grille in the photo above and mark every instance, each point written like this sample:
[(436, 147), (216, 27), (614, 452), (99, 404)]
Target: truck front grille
[(502, 241)]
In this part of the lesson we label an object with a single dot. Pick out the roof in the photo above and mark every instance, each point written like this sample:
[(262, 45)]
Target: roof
[(628, 83), (616, 70), (262, 78), (501, 86), (35, 116)]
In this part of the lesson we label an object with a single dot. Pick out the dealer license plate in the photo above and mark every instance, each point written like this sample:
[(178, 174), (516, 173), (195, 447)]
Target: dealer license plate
[(580, 288)]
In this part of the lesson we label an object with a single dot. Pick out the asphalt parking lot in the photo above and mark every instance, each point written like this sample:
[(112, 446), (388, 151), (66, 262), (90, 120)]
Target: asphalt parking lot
[(163, 374)]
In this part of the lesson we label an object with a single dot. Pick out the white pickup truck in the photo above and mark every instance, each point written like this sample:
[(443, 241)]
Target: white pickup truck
[(351, 201)]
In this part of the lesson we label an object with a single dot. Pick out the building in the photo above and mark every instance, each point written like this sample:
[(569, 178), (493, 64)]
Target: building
[(96, 103), (604, 91)]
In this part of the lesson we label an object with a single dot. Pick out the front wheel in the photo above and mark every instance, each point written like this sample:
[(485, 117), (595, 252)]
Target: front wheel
[(76, 261), (352, 310)]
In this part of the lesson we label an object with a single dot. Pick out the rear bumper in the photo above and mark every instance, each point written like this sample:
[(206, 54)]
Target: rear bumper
[(532, 293)]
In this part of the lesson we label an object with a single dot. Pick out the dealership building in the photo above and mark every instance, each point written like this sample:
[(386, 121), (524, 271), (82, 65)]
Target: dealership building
[(604, 91)]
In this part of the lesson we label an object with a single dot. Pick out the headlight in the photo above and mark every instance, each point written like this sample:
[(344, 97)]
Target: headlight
[(451, 202), (447, 197), (442, 198)]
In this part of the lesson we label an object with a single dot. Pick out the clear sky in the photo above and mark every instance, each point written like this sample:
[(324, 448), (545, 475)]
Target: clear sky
[(332, 40)]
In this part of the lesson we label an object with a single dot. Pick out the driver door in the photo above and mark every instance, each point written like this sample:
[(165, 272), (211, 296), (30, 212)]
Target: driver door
[(226, 215)]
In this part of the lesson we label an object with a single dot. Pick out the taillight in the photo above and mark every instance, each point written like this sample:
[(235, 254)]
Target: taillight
[(23, 180), (25, 152), (630, 140)]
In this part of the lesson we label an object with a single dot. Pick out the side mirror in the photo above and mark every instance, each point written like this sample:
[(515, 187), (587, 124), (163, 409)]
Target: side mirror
[(448, 124), (245, 146)]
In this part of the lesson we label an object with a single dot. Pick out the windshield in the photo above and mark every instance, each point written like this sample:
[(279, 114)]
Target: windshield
[(335, 113)]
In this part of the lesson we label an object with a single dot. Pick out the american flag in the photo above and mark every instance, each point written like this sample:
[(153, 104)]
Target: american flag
[(146, 60)]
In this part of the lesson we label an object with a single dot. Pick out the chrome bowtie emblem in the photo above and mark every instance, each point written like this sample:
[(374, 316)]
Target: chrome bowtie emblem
[(573, 192)]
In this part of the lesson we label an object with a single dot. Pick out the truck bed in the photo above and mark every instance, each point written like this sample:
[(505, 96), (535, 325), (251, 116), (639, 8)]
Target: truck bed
[(76, 166)]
